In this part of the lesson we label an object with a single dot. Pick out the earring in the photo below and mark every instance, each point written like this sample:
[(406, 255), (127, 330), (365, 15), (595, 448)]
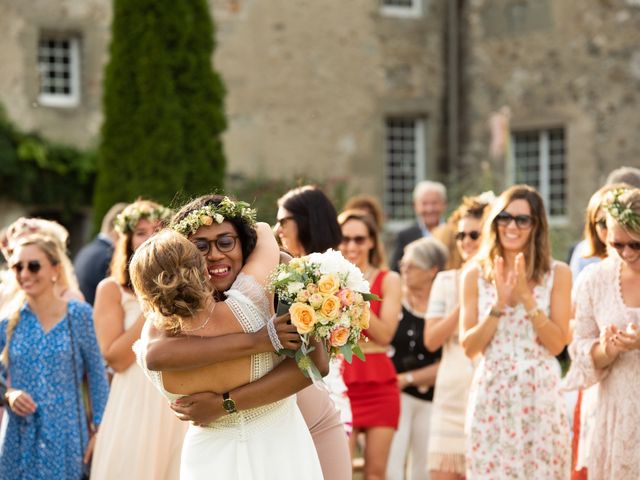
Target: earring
[(54, 279)]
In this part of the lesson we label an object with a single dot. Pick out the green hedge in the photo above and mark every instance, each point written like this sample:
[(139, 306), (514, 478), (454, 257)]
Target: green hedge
[(163, 105)]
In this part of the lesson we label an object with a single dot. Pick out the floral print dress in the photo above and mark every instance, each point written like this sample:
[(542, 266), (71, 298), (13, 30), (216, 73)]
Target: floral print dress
[(516, 420)]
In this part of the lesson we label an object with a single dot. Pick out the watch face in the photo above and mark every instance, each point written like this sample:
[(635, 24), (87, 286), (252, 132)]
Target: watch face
[(229, 405)]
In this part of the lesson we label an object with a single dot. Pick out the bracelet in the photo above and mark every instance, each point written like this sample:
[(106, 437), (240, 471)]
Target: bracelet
[(494, 312), (409, 378), (273, 335)]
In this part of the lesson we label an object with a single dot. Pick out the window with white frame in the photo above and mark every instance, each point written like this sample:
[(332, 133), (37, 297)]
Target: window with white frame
[(405, 165), (402, 8), (539, 161), (59, 70)]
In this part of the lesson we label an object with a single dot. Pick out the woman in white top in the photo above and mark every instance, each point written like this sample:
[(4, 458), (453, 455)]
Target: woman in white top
[(170, 276), (137, 425)]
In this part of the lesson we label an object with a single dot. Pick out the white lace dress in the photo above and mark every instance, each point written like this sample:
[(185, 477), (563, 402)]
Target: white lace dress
[(613, 447), (264, 443)]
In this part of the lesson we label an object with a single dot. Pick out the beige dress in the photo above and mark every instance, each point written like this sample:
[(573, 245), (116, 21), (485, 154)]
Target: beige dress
[(598, 301), (447, 438), (140, 437)]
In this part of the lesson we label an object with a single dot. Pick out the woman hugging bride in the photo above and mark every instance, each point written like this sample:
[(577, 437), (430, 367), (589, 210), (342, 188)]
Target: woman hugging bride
[(170, 277)]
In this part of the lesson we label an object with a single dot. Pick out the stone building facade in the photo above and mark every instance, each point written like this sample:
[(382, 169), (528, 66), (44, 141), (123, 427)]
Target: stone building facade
[(381, 93)]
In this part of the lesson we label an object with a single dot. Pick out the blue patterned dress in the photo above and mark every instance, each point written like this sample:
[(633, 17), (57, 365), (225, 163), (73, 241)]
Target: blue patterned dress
[(50, 443)]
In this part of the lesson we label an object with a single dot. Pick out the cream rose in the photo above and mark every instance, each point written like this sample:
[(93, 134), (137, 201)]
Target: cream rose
[(330, 307), (363, 319), (328, 284), (316, 300), (303, 317)]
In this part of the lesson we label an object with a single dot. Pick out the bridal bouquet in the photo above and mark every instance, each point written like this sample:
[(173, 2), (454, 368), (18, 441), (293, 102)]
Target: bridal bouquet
[(328, 299)]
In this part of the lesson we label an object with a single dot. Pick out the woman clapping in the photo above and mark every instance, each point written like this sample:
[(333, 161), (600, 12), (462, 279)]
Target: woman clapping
[(515, 309)]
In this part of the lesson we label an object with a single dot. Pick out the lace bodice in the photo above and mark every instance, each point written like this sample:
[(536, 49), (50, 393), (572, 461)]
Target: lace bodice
[(249, 302)]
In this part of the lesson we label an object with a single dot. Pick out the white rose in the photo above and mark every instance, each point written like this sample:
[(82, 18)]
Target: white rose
[(294, 287)]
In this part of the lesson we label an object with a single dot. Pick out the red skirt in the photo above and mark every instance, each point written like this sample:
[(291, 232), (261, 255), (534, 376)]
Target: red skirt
[(373, 392)]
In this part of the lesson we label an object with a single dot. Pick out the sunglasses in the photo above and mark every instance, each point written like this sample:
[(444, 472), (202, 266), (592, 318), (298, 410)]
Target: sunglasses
[(282, 221), (358, 240), (473, 235), (620, 246), (522, 221), (224, 244), (33, 266), (602, 223)]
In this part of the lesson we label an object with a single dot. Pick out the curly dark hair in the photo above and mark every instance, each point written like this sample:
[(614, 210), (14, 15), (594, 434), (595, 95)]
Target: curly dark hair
[(246, 233)]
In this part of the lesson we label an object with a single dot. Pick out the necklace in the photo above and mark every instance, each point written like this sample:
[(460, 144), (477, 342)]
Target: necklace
[(206, 320)]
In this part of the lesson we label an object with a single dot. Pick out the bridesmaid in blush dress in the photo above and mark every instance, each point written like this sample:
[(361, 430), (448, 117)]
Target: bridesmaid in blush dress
[(137, 424)]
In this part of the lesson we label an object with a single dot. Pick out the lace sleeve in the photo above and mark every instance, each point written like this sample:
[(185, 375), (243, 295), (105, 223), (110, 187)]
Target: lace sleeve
[(249, 301), (140, 349), (583, 373)]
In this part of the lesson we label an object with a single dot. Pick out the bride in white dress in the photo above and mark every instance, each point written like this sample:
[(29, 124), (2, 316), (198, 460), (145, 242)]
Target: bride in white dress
[(269, 442)]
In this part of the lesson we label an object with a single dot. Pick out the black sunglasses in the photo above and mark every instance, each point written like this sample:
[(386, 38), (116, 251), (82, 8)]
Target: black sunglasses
[(224, 244), (620, 246), (32, 265), (522, 221), (473, 235), (359, 239)]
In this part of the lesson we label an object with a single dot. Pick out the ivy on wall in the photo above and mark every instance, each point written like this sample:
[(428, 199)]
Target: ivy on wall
[(37, 172)]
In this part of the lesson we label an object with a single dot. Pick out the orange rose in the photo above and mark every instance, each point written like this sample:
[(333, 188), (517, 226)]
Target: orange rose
[(330, 307), (339, 336), (303, 317), (328, 284)]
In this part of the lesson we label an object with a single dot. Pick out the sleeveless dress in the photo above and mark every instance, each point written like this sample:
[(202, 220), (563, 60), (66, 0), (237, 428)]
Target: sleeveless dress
[(137, 425), (263, 443), (612, 450), (446, 434), (372, 386), (517, 424)]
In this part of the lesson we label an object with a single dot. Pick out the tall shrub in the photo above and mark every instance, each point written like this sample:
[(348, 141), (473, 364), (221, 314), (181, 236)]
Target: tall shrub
[(163, 105)]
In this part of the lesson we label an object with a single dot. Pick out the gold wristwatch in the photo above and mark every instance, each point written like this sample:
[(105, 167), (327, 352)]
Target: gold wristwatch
[(228, 404)]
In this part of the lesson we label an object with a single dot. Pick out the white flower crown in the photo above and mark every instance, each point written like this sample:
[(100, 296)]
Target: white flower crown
[(220, 212)]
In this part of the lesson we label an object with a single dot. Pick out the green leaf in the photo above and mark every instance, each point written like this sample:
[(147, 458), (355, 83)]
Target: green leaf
[(358, 352), (287, 352), (346, 351), (370, 296)]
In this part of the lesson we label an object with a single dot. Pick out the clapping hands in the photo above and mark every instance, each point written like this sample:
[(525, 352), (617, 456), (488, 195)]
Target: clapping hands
[(512, 287), (615, 341)]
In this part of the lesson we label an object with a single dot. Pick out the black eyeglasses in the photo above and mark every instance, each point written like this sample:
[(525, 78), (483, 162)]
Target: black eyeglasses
[(224, 244), (473, 235), (602, 223), (522, 221), (620, 246), (33, 266), (358, 239)]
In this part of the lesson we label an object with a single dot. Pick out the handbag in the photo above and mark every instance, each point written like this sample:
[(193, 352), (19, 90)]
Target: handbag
[(86, 467)]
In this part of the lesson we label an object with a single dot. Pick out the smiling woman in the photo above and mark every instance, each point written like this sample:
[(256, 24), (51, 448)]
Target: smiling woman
[(514, 314), (48, 345)]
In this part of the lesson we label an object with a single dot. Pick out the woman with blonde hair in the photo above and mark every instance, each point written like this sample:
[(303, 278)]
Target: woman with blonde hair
[(446, 452), (48, 344), (605, 346), (135, 411), (372, 386), (169, 275), (515, 309)]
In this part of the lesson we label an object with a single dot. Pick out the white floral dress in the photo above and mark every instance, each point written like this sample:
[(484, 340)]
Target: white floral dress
[(516, 420)]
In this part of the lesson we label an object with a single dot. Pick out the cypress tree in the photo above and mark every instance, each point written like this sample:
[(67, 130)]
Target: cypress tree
[(163, 105)]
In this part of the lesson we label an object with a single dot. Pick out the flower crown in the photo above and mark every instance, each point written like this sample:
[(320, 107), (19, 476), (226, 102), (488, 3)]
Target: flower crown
[(126, 221), (622, 213), (220, 212)]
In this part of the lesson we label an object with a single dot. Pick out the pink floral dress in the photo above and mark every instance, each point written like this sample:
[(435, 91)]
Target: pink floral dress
[(516, 420)]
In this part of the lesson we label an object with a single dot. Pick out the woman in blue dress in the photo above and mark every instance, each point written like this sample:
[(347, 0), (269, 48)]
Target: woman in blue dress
[(48, 346)]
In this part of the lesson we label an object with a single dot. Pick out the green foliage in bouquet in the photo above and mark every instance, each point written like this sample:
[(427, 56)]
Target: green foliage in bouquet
[(163, 105)]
